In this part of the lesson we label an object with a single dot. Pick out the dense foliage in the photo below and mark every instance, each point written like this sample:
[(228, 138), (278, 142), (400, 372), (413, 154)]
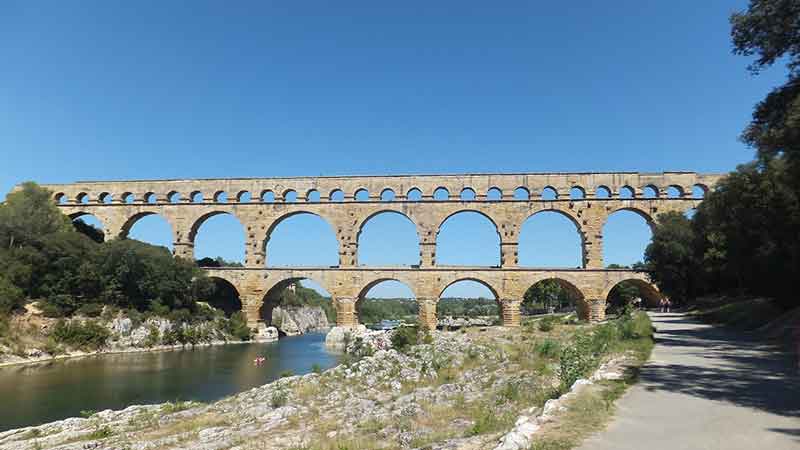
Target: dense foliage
[(742, 239), (744, 236), (45, 257)]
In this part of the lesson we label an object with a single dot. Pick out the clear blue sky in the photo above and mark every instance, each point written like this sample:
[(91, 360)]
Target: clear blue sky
[(102, 90)]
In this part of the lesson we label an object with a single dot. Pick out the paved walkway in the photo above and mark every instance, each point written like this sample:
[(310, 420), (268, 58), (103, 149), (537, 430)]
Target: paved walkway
[(707, 388)]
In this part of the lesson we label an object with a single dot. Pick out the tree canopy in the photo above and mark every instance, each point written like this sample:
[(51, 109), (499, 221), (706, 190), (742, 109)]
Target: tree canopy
[(67, 267)]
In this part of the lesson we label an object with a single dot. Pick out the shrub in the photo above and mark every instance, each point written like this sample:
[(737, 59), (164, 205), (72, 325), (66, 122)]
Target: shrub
[(10, 296), (237, 327), (153, 337), (51, 311), (51, 347), (86, 335), (286, 373), (316, 368), (278, 399), (547, 348), (547, 323), (577, 360), (90, 310), (404, 337)]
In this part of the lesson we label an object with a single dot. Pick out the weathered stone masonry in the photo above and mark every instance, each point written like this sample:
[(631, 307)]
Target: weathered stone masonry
[(260, 204)]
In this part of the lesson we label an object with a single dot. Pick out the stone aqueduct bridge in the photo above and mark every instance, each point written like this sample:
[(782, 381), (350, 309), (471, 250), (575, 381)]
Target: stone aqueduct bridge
[(347, 203)]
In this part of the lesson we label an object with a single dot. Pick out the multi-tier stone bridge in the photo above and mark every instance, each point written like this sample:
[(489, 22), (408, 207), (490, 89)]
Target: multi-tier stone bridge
[(348, 203)]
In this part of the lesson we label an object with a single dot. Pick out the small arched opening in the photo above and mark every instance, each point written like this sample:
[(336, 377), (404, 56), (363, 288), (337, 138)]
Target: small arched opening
[(414, 195), (387, 195), (602, 192), (577, 193), (467, 195), (650, 191), (549, 193), (626, 192), (361, 195)]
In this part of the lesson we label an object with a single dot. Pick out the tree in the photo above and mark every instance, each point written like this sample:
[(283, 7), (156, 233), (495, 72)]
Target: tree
[(550, 294), (10, 296), (770, 30), (670, 255), (28, 215)]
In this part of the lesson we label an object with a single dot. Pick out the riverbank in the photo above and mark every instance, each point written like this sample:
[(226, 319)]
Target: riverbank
[(462, 390), (31, 338), (45, 358)]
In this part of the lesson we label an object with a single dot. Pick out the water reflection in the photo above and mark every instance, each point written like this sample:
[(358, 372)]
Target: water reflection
[(55, 390)]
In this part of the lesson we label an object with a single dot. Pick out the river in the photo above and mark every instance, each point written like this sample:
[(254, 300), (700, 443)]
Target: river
[(43, 392)]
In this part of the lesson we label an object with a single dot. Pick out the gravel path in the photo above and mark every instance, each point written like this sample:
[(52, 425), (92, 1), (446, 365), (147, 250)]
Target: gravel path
[(707, 388)]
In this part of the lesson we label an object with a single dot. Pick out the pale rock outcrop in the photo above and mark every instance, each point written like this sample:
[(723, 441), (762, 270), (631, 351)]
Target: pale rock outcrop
[(299, 320)]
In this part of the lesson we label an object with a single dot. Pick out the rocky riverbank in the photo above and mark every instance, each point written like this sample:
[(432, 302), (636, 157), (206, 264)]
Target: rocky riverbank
[(456, 390), (31, 341), (33, 338)]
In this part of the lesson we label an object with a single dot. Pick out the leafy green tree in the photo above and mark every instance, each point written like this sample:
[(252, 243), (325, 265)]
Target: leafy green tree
[(671, 255), (10, 296), (28, 215), (770, 31), (547, 294)]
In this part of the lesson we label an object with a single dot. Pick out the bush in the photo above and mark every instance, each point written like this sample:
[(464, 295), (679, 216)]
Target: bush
[(90, 310), (10, 296), (547, 324), (404, 337), (236, 326), (278, 399), (547, 348), (577, 360), (87, 335), (153, 337)]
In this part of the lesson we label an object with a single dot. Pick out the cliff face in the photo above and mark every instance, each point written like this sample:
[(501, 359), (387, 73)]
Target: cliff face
[(292, 321)]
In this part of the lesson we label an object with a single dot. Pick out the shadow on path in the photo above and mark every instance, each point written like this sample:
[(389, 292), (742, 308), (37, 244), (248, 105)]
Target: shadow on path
[(723, 365)]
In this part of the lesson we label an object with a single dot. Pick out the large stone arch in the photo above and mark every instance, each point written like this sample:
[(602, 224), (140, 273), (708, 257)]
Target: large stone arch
[(648, 218), (363, 221), (566, 213), (447, 283), (228, 309), (473, 210), (271, 292), (131, 221), (650, 292), (572, 286), (199, 221), (339, 233)]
